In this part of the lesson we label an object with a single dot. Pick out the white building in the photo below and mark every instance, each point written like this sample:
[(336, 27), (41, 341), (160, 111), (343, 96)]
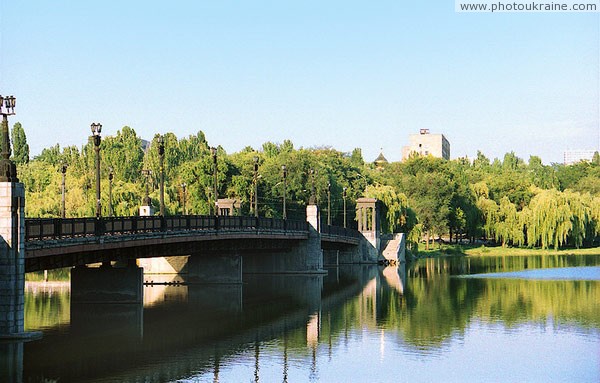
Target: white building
[(426, 144), (571, 157)]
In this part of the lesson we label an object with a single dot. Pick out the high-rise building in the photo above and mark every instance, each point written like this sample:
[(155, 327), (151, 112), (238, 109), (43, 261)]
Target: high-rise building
[(574, 156), (426, 144)]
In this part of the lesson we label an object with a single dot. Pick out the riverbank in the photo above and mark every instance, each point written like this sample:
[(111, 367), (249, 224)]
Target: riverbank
[(496, 251)]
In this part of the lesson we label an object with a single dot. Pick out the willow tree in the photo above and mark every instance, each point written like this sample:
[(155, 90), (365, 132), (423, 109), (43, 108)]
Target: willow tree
[(508, 226), (550, 220), (395, 205)]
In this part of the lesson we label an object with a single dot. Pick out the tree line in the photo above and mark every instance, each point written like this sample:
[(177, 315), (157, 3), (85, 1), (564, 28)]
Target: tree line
[(509, 201)]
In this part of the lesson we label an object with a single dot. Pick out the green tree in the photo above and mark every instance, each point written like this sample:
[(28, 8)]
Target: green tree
[(20, 148)]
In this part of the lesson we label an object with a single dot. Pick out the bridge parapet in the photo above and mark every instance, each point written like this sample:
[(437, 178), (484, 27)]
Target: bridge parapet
[(338, 234), (44, 229)]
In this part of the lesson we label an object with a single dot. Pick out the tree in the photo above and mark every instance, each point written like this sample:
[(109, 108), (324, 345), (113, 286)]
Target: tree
[(20, 148)]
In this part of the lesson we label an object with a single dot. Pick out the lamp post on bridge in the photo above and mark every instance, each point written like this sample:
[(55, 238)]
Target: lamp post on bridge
[(110, 201), (284, 169), (255, 181), (213, 152), (7, 167), (184, 191), (344, 197), (161, 157), (329, 203), (313, 195), (147, 201), (96, 129), (63, 170)]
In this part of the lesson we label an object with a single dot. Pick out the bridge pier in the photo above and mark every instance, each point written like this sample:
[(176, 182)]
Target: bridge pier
[(12, 262), (214, 268), (304, 257), (107, 284)]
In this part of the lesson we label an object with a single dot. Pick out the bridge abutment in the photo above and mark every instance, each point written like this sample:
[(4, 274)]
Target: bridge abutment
[(12, 261)]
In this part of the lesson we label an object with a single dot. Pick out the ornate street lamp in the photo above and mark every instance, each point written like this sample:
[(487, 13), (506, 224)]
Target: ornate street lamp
[(7, 167), (284, 169), (161, 156), (329, 203), (213, 152), (96, 129), (147, 201), (255, 186), (63, 170), (184, 190), (313, 195), (344, 197), (110, 201)]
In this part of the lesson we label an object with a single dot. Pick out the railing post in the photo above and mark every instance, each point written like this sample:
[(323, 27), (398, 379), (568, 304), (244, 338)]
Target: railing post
[(56, 229), (216, 222), (163, 222)]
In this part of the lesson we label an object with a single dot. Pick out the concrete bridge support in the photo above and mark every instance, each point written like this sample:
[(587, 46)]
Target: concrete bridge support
[(214, 268), (304, 257), (12, 259), (107, 284), (369, 224)]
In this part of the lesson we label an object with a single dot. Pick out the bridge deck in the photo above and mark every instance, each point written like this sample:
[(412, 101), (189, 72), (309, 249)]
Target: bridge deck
[(54, 242)]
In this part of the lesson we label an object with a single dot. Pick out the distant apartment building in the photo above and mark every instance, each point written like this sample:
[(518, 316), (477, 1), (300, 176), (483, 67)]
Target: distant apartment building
[(574, 156), (427, 144)]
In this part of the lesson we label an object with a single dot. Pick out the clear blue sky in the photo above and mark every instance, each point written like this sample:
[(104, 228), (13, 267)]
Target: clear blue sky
[(340, 73)]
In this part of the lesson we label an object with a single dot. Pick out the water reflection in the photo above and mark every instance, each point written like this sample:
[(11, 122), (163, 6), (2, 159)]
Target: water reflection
[(350, 325)]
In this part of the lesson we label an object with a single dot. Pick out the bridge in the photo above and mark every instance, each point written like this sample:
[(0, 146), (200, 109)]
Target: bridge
[(217, 249), (58, 242)]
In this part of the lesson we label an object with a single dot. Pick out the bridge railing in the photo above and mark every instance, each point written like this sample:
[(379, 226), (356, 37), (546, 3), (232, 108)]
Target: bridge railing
[(42, 229), (339, 231)]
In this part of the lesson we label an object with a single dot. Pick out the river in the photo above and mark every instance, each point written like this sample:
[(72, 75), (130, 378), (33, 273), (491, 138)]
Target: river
[(455, 319)]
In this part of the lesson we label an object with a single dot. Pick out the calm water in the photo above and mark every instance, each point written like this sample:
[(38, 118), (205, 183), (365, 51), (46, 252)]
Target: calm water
[(358, 324)]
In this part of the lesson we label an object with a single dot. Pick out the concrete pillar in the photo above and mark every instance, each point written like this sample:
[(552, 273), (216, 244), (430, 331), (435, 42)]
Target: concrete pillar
[(312, 247), (107, 284), (12, 259), (146, 210), (305, 257), (368, 210), (214, 268)]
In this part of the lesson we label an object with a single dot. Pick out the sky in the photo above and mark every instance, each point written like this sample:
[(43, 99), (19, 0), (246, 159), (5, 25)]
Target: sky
[(343, 74)]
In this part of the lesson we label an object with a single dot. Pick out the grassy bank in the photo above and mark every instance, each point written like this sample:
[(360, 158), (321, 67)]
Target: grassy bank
[(480, 250)]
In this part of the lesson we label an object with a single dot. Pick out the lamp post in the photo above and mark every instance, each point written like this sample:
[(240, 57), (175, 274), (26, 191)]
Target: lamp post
[(255, 186), (184, 190), (329, 203), (161, 156), (110, 201), (344, 197), (7, 168), (96, 129), (313, 196), (146, 201), (284, 169), (213, 152), (63, 170)]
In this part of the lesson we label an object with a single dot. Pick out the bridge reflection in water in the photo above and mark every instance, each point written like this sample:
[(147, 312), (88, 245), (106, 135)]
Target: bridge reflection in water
[(185, 330)]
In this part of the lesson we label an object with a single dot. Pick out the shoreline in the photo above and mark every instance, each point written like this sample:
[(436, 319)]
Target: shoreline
[(499, 251)]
